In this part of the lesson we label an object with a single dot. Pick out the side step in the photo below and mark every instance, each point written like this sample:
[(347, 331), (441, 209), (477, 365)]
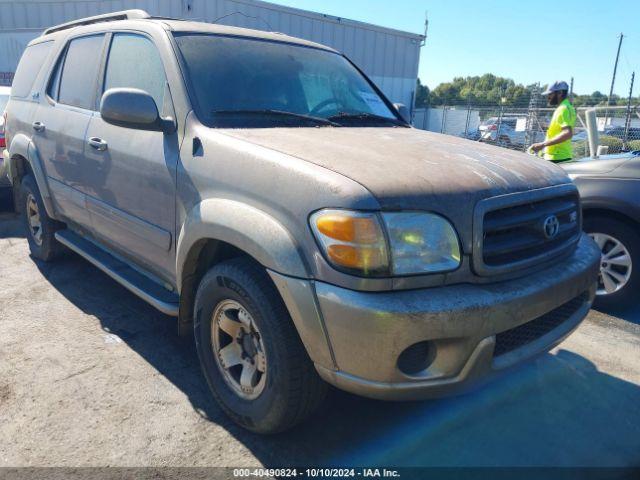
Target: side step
[(151, 292)]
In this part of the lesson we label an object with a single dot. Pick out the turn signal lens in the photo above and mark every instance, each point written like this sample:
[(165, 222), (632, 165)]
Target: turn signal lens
[(356, 257), (352, 240), (349, 229)]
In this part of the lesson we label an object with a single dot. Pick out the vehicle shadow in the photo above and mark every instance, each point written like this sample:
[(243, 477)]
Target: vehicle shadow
[(630, 314), (10, 224), (557, 410)]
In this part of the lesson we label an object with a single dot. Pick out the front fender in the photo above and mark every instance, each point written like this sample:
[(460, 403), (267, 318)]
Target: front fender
[(245, 227), (22, 146)]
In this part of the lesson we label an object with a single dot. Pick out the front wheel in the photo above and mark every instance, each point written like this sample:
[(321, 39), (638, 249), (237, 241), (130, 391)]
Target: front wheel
[(619, 244), (250, 352)]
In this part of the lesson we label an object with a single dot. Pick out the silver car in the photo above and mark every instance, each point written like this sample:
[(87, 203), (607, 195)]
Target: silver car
[(5, 93)]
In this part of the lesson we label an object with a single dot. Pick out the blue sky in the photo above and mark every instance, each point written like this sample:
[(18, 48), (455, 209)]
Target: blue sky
[(528, 41)]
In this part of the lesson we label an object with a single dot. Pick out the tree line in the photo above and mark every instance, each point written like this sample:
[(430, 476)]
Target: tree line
[(490, 89)]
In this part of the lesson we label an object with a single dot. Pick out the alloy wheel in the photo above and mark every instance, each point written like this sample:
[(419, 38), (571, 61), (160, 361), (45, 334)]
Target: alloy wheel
[(238, 349), (615, 264), (33, 219)]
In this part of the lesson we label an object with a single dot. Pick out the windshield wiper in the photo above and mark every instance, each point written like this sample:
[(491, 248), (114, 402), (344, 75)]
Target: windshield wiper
[(365, 116), (280, 113)]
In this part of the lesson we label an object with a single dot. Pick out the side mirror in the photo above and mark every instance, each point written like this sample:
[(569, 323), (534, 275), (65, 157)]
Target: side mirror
[(403, 111), (133, 108)]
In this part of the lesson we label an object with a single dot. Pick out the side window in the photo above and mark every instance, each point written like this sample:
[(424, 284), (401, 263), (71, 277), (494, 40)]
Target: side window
[(54, 82), (30, 64), (79, 73), (134, 62)]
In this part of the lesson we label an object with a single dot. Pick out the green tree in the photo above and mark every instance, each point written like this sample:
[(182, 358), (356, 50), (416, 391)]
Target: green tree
[(492, 90), (478, 90), (422, 95)]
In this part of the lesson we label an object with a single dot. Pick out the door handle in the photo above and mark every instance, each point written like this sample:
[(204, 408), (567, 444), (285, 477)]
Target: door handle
[(98, 143), (38, 126)]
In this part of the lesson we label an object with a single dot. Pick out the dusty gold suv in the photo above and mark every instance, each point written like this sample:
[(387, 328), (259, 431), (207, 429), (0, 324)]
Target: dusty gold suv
[(261, 189)]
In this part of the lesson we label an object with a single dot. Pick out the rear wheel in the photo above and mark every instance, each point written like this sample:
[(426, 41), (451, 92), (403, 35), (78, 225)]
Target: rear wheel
[(40, 228), (619, 244), (504, 141), (250, 352)]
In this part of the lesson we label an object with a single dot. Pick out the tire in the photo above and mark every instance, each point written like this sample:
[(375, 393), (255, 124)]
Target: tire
[(290, 389), (504, 141), (599, 228), (42, 242)]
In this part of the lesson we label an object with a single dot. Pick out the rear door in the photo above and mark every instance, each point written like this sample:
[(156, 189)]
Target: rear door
[(61, 122), (131, 196)]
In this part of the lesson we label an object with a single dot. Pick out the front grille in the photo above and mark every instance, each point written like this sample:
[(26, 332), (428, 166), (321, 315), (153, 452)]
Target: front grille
[(527, 231), (526, 333)]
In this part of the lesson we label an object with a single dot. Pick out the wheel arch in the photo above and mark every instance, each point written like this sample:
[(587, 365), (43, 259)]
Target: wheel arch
[(615, 213), (25, 159), (216, 230)]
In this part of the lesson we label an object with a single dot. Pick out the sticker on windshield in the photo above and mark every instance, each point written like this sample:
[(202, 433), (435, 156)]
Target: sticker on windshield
[(374, 102)]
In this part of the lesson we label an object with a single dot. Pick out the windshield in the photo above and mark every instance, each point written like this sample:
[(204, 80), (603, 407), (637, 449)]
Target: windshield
[(249, 83)]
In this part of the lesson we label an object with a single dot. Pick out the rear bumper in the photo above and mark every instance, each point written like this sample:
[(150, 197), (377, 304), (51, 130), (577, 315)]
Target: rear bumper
[(365, 332), (4, 162)]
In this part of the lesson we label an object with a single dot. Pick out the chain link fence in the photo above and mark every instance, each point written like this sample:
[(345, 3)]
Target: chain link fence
[(518, 127)]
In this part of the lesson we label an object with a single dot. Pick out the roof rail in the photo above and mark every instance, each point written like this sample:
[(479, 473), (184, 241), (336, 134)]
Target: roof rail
[(106, 17)]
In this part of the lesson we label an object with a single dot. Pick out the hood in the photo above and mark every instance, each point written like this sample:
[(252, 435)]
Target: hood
[(410, 169), (406, 168), (598, 166)]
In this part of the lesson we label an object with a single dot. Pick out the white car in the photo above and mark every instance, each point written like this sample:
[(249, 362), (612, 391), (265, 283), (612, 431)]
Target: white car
[(5, 92), (508, 135)]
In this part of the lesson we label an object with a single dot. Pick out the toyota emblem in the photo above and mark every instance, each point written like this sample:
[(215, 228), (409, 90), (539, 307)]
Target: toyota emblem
[(551, 227)]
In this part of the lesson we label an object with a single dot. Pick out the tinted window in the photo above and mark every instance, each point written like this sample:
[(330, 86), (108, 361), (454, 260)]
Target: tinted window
[(30, 64), (80, 71), (134, 62), (235, 74), (54, 82)]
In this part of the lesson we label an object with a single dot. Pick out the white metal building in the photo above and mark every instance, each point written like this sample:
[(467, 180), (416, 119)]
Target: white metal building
[(390, 57)]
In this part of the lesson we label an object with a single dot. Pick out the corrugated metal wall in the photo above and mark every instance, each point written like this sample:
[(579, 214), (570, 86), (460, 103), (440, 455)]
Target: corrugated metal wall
[(389, 57)]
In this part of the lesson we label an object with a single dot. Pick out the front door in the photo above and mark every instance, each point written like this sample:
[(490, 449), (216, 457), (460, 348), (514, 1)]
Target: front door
[(131, 197)]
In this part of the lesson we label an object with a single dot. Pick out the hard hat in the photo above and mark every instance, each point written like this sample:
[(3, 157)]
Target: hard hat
[(557, 86)]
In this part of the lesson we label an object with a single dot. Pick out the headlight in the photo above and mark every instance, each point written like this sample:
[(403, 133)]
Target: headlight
[(421, 243), (415, 243)]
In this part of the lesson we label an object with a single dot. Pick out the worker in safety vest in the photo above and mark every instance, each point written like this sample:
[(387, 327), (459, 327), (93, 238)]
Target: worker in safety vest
[(557, 144)]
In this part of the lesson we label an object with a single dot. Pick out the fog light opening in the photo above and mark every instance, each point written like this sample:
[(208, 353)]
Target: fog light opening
[(416, 358)]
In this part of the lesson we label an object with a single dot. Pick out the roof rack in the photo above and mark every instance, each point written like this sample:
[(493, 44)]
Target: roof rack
[(107, 17)]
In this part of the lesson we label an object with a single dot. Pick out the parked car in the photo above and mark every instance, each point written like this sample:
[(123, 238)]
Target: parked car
[(615, 132), (5, 92), (503, 131), (610, 191), (261, 189), (471, 134), (619, 132)]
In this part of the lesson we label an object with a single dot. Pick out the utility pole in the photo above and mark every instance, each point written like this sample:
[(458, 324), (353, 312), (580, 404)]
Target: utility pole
[(627, 123), (613, 79), (571, 91), (532, 117), (615, 69)]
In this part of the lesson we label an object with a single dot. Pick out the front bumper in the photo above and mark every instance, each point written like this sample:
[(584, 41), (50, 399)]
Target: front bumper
[(365, 333)]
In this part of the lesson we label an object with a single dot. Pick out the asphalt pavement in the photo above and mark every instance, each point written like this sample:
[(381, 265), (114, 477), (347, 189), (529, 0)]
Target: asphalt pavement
[(90, 375)]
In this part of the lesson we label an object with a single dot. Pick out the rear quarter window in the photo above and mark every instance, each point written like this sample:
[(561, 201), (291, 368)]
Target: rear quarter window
[(30, 64)]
